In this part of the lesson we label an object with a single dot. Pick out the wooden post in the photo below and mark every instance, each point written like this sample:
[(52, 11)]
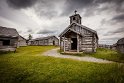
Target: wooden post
[(70, 44), (64, 43), (93, 43), (60, 43), (77, 43)]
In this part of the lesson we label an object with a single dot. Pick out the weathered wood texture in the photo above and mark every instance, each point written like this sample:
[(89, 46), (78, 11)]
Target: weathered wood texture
[(8, 39), (12, 43), (120, 45), (52, 40), (22, 41), (105, 46), (87, 42), (86, 39)]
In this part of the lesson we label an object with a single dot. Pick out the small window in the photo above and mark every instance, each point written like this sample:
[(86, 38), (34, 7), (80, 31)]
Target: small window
[(6, 42)]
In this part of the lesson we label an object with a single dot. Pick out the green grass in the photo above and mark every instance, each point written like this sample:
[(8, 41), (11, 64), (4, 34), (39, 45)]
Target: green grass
[(108, 54), (28, 65)]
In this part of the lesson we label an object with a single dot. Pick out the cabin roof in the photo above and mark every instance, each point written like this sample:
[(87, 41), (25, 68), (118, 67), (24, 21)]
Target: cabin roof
[(84, 27), (8, 32), (69, 29), (120, 41), (42, 38), (21, 37)]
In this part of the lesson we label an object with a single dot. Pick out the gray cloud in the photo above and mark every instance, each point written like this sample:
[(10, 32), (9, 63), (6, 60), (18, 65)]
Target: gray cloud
[(30, 30), (18, 4), (104, 21), (110, 1), (113, 32), (44, 13), (118, 18), (108, 34), (120, 30), (43, 8), (45, 31), (90, 6), (72, 5), (46, 8)]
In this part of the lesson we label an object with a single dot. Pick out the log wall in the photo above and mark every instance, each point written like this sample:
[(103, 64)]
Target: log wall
[(87, 40)]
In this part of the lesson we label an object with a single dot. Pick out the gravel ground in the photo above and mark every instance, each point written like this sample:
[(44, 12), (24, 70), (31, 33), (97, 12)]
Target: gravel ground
[(54, 53)]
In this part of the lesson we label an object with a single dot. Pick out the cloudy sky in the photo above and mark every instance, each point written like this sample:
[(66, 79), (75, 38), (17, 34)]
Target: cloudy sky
[(50, 17)]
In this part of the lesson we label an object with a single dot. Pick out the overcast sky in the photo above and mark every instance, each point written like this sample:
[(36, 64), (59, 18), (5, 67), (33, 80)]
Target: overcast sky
[(50, 17)]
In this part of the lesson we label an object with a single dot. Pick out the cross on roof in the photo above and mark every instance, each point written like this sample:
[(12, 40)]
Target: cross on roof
[(75, 11)]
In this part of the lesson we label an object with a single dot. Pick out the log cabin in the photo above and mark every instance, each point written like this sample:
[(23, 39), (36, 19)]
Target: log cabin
[(22, 41), (77, 37), (120, 45), (49, 40), (104, 46), (8, 39)]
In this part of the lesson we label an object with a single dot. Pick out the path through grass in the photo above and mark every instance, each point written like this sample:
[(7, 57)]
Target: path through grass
[(102, 53), (29, 66)]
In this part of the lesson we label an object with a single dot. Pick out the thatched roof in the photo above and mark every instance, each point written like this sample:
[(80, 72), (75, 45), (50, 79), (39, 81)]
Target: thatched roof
[(8, 32)]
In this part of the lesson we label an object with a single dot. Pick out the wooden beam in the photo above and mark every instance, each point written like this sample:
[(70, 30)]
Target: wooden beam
[(77, 43), (64, 43), (60, 43), (93, 43)]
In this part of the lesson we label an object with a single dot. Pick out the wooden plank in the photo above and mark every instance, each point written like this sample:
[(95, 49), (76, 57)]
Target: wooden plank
[(64, 43), (77, 43)]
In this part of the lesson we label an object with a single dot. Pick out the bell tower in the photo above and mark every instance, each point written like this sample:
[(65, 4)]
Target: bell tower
[(75, 18)]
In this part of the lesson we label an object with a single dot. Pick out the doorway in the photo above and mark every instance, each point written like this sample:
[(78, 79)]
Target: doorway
[(74, 44), (53, 42)]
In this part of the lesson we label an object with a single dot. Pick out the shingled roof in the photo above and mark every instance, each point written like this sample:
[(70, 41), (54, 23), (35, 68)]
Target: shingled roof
[(8, 32)]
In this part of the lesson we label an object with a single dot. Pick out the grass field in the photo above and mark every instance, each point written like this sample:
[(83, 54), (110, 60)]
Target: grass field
[(28, 65), (109, 55)]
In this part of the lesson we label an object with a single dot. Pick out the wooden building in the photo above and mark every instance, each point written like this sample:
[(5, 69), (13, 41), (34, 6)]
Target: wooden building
[(8, 39), (114, 46), (50, 40), (120, 45), (104, 46), (77, 37), (22, 41)]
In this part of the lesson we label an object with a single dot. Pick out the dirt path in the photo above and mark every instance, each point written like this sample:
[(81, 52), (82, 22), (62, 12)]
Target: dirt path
[(54, 53)]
